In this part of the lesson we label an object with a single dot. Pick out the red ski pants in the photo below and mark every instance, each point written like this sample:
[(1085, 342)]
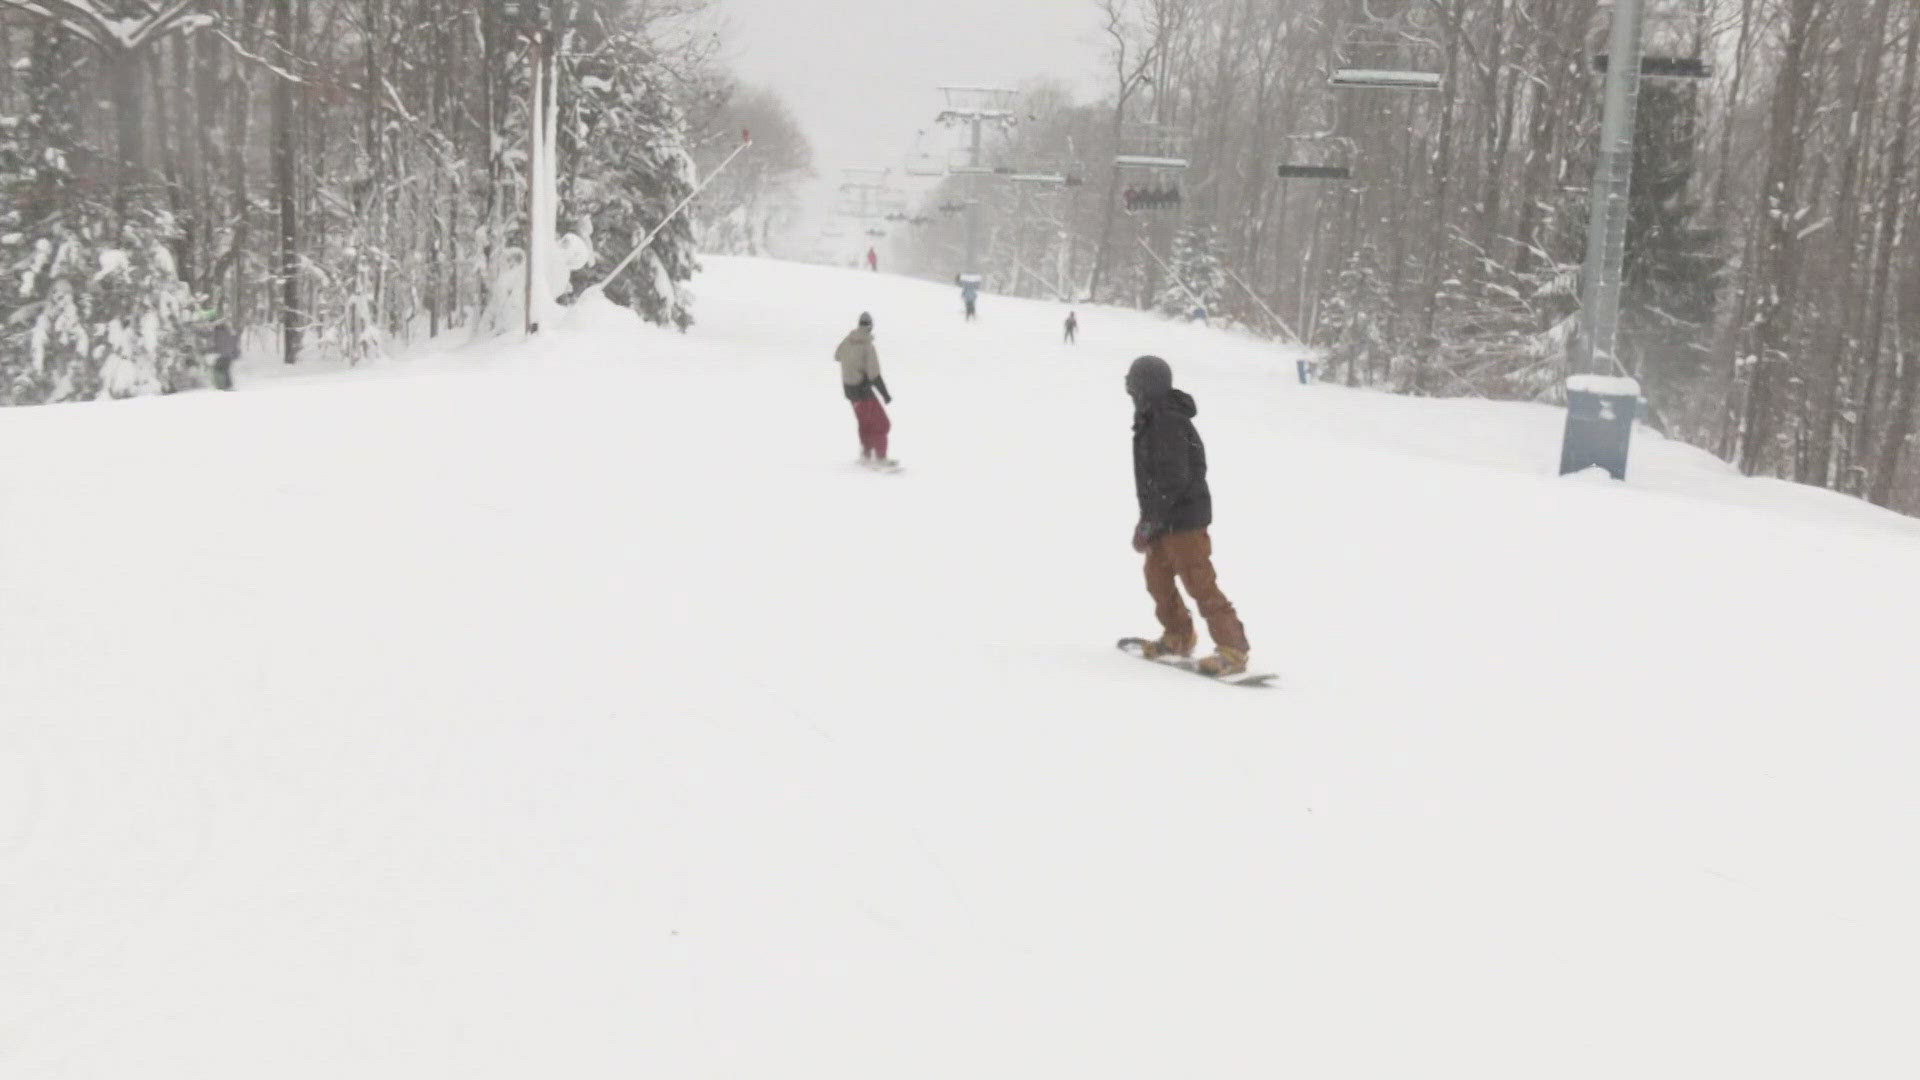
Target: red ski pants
[(874, 426)]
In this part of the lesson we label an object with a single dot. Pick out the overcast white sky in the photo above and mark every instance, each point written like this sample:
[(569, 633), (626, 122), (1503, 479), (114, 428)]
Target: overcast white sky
[(861, 74)]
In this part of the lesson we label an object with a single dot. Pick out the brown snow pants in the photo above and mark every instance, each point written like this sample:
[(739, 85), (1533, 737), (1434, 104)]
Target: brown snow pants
[(1188, 557)]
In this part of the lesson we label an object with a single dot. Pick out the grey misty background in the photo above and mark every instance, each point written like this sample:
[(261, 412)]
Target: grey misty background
[(332, 180)]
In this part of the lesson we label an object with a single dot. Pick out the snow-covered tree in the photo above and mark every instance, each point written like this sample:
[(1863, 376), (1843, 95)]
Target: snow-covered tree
[(627, 166), (1199, 280), (92, 303)]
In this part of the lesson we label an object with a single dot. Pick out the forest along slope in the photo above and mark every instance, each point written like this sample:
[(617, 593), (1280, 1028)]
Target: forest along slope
[(580, 707)]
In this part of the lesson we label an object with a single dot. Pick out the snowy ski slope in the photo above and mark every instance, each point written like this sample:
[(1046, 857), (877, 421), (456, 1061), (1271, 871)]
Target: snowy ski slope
[(580, 710)]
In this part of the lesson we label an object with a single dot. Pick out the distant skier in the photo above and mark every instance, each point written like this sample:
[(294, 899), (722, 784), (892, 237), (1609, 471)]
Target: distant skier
[(225, 350), (970, 295), (1073, 328), (873, 260), (1176, 508), (860, 379)]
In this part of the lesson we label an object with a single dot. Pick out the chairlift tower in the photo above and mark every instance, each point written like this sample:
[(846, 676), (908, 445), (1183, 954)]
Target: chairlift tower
[(1672, 33), (1600, 406), (1635, 24), (866, 193), (975, 108)]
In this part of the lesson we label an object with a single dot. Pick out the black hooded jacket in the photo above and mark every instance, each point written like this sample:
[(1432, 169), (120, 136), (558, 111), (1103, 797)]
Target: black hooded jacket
[(1169, 460)]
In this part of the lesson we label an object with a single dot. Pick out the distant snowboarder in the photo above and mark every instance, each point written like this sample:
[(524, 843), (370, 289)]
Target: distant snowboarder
[(860, 379), (1073, 328), (873, 260), (970, 294), (1176, 508)]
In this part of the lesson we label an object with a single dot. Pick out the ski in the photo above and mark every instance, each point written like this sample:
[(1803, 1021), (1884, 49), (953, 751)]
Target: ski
[(1134, 646)]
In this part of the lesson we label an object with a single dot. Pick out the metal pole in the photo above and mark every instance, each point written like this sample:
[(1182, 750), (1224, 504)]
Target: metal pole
[(746, 140), (973, 204), (536, 139), (1612, 186)]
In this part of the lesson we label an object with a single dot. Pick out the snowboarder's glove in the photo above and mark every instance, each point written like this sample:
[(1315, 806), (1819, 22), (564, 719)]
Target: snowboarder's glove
[(881, 385), (1142, 537)]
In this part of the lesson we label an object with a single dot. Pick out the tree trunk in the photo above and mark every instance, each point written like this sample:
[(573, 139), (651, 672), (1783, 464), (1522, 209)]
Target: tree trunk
[(1776, 273), (1892, 209), (291, 316)]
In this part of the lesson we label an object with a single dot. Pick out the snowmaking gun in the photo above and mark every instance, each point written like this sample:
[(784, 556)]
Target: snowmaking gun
[(746, 141)]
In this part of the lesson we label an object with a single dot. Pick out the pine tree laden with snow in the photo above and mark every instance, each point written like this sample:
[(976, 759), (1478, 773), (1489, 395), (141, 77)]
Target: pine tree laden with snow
[(1199, 280), (627, 166), (92, 304)]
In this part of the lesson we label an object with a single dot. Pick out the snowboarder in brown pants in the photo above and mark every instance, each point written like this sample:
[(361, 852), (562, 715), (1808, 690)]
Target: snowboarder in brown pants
[(1176, 509)]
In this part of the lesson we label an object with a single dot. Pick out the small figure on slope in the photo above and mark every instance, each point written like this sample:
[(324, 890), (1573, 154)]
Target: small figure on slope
[(873, 260), (1073, 328), (222, 348), (970, 294), (1176, 508), (860, 379)]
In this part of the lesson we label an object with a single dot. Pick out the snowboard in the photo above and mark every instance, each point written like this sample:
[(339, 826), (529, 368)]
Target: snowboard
[(871, 467), (1132, 646)]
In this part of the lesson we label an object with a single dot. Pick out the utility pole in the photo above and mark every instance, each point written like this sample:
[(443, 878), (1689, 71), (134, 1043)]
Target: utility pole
[(1600, 406), (973, 201), (1612, 188), (532, 19)]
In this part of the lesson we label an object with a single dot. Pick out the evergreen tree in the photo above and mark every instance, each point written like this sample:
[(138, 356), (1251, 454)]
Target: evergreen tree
[(1355, 320), (624, 140), (1673, 269), (1197, 273), (93, 303)]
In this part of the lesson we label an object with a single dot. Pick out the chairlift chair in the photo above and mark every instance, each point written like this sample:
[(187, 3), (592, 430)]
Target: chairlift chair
[(960, 163), (1671, 32), (1315, 157), (1154, 147), (925, 163), (1389, 45), (1042, 172)]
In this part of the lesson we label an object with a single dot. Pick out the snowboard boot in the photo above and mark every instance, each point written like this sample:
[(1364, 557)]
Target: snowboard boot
[(1165, 646), (1224, 661)]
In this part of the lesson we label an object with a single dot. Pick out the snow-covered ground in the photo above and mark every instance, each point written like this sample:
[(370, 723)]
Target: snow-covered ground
[(581, 710)]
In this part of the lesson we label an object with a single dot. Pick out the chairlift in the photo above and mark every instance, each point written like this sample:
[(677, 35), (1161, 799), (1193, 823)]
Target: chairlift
[(960, 162), (1389, 45), (1046, 171), (1154, 147), (925, 163), (978, 104), (1671, 32), (1162, 196), (1315, 157)]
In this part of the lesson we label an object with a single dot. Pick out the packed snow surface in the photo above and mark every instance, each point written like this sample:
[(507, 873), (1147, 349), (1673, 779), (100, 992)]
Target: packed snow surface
[(581, 710), (1605, 385)]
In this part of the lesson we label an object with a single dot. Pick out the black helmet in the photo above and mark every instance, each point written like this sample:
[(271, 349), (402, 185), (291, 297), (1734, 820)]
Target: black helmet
[(866, 319), (1149, 378)]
